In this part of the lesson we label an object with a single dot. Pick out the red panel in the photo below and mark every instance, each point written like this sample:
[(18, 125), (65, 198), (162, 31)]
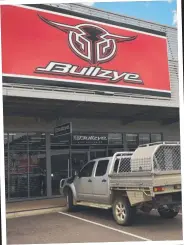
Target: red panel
[(30, 41)]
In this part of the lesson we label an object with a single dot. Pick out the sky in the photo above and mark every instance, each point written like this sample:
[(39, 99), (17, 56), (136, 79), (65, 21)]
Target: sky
[(162, 12)]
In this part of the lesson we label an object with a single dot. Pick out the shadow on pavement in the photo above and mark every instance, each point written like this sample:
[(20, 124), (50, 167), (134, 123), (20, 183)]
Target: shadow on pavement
[(141, 219)]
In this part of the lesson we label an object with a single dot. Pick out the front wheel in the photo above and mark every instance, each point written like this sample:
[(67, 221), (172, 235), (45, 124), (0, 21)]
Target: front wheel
[(69, 201), (168, 213), (123, 212)]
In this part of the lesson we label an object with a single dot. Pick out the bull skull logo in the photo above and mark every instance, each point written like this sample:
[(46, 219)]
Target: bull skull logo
[(90, 42)]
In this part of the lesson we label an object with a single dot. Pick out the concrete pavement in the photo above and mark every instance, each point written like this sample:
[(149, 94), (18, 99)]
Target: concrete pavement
[(34, 207), (90, 225)]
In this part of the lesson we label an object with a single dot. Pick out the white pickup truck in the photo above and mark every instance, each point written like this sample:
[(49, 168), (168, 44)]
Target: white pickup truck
[(148, 178)]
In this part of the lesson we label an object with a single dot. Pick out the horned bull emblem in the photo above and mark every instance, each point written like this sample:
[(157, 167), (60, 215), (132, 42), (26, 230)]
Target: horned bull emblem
[(90, 42)]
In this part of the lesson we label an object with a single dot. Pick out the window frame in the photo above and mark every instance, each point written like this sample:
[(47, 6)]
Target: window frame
[(161, 134), (137, 141), (144, 134), (138, 133)]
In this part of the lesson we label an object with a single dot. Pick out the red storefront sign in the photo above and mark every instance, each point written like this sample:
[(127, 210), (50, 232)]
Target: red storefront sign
[(46, 47)]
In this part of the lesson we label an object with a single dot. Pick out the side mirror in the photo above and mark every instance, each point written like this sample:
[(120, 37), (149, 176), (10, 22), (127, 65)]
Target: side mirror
[(76, 173)]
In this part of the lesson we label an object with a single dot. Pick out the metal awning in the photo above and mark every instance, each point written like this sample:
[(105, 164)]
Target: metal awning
[(56, 109)]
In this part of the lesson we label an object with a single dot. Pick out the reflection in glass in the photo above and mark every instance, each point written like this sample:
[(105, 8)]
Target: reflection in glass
[(60, 157), (97, 151), (6, 162), (25, 165), (156, 138), (113, 149), (18, 165), (79, 159), (98, 154), (37, 164), (144, 139), (59, 168), (132, 141)]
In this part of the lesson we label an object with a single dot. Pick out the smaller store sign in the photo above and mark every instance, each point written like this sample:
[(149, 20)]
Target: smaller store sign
[(89, 139), (115, 139), (63, 129)]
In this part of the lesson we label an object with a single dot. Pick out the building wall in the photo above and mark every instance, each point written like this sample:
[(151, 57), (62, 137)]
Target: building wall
[(21, 124), (170, 133)]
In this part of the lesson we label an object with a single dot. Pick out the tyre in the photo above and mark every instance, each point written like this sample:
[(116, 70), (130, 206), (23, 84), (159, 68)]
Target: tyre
[(123, 213), (167, 213), (69, 201)]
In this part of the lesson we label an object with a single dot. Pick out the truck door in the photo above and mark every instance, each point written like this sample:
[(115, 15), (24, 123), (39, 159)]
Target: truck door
[(100, 181), (83, 182)]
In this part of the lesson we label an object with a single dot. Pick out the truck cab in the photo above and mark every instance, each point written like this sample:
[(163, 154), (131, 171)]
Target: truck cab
[(90, 184)]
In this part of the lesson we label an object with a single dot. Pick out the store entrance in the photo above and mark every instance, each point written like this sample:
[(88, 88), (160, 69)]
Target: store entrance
[(60, 168), (78, 159), (98, 152)]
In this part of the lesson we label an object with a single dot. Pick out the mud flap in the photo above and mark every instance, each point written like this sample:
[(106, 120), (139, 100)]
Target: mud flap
[(136, 197)]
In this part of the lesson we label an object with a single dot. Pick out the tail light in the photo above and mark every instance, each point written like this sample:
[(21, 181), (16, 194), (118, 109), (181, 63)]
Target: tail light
[(158, 189)]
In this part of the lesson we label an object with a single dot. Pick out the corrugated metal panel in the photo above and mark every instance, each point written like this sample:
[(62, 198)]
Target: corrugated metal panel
[(172, 44), (171, 37), (173, 69)]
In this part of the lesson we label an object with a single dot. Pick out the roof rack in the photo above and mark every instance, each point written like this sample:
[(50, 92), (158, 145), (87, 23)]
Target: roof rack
[(161, 143)]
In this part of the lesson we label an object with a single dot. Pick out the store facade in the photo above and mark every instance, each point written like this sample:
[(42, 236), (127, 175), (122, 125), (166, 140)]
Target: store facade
[(104, 117), (35, 162)]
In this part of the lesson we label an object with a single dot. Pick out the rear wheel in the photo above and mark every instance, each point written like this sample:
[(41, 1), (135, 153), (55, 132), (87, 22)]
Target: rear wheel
[(167, 213), (123, 213)]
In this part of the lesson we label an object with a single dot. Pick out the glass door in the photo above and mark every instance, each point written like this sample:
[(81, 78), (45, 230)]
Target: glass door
[(97, 152), (78, 159), (60, 168)]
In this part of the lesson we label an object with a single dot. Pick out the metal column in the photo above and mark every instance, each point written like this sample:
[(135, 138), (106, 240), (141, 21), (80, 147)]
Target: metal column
[(48, 165), (28, 163), (125, 142), (8, 168)]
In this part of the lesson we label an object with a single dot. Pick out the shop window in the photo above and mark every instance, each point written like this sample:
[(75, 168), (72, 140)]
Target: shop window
[(156, 138), (25, 163), (60, 141), (102, 167), (18, 165), (60, 165), (97, 152), (60, 168), (6, 163), (37, 164), (79, 159), (132, 141), (144, 139), (113, 149), (115, 138)]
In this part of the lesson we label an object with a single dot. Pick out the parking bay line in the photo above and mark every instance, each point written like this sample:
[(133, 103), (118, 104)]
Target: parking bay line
[(107, 227)]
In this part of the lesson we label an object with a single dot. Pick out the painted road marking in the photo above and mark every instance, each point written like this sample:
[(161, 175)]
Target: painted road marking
[(107, 227)]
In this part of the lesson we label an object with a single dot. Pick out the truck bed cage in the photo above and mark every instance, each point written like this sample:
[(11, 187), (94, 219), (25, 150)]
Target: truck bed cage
[(154, 157)]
